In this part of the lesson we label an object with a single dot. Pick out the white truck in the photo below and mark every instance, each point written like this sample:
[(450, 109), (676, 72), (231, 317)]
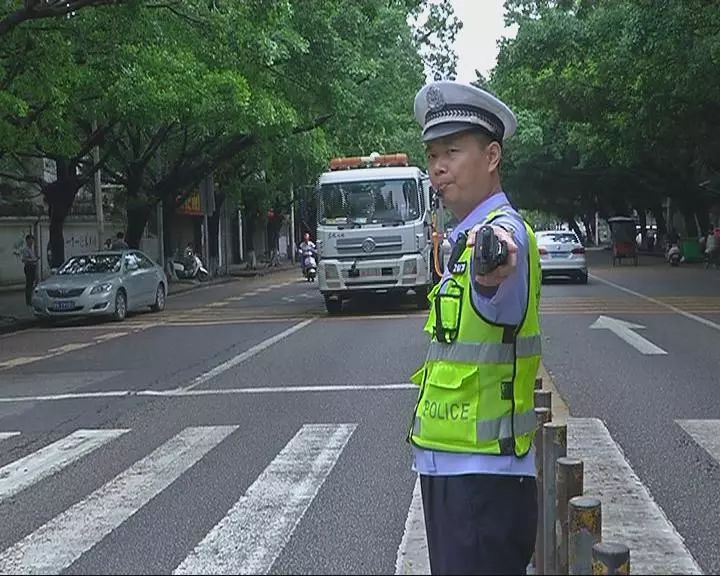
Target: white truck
[(375, 229)]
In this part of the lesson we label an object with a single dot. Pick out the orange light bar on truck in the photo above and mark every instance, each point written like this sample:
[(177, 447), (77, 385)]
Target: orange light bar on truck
[(374, 160)]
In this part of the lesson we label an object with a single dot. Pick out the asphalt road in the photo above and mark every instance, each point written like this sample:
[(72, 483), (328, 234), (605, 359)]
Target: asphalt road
[(641, 397), (110, 374), (243, 430)]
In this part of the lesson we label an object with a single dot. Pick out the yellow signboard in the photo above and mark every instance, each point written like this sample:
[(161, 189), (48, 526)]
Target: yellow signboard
[(192, 205)]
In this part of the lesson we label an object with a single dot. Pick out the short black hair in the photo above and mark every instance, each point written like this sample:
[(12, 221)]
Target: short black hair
[(120, 234)]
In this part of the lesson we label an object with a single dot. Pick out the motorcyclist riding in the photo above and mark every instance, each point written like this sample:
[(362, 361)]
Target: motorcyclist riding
[(306, 248)]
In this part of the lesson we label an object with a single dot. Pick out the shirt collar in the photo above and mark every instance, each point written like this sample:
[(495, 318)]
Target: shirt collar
[(479, 213)]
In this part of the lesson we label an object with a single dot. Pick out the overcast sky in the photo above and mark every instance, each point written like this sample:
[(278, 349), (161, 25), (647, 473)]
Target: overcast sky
[(476, 43)]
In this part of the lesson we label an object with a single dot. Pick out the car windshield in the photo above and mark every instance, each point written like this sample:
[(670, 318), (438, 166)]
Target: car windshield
[(371, 202), (95, 264), (558, 238)]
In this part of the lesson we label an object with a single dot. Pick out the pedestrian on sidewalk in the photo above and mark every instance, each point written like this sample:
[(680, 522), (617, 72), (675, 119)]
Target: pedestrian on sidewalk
[(119, 243), (30, 260), (474, 421)]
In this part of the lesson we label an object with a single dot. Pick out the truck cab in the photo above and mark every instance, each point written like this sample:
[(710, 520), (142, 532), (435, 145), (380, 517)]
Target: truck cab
[(374, 229)]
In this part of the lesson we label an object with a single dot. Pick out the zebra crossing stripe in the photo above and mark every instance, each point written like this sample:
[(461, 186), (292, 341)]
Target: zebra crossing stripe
[(704, 432), (61, 541), (657, 548), (412, 554), (26, 471), (252, 534)]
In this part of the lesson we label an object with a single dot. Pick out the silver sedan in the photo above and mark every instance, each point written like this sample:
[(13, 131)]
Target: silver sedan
[(562, 254), (109, 283)]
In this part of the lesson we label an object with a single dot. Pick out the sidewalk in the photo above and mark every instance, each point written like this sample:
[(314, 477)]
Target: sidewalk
[(14, 315)]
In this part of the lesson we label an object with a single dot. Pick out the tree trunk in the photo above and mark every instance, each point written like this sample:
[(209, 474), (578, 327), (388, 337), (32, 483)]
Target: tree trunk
[(575, 228), (589, 222), (138, 212), (168, 229), (60, 196)]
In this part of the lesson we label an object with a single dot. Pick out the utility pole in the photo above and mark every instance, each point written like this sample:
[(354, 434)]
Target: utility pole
[(98, 192), (292, 222)]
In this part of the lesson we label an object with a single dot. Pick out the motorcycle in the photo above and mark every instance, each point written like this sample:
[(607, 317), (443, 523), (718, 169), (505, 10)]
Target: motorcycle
[(190, 267), (673, 255)]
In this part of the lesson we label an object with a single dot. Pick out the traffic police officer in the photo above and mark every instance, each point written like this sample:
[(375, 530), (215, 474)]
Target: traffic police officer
[(473, 422)]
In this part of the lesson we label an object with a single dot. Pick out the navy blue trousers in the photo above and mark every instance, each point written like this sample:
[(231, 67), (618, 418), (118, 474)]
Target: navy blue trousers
[(479, 523)]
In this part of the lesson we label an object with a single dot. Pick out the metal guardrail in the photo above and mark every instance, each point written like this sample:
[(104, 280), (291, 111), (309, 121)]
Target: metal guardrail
[(569, 531)]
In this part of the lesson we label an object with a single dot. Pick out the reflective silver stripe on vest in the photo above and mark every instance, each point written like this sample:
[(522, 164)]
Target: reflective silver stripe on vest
[(485, 352), (488, 430), (497, 428)]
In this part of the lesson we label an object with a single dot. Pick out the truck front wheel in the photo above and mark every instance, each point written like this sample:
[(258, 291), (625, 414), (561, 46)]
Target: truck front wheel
[(333, 305), (421, 298)]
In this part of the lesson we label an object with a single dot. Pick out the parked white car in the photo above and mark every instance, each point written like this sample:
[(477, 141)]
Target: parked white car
[(562, 254), (110, 283)]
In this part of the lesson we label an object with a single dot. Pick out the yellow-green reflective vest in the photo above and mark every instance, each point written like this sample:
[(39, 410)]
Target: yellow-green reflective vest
[(477, 382)]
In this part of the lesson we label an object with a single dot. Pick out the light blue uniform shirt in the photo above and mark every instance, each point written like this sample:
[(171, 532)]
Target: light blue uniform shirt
[(506, 306)]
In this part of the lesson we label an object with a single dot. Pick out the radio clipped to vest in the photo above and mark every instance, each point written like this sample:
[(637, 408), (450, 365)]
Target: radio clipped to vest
[(448, 307)]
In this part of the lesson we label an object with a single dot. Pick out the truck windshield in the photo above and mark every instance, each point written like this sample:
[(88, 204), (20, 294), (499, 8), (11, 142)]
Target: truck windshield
[(371, 202)]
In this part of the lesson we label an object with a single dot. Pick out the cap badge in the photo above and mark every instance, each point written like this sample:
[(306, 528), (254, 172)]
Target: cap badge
[(434, 98)]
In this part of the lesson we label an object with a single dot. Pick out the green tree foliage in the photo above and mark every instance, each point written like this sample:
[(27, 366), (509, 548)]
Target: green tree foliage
[(617, 102), (261, 92)]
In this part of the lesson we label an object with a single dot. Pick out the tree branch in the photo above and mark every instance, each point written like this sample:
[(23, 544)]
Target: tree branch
[(22, 178), (173, 8), (38, 9)]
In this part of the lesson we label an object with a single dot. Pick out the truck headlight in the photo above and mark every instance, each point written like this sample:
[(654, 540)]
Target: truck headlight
[(331, 272), (410, 267)]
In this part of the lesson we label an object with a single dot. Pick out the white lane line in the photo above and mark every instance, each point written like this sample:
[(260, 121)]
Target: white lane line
[(412, 554), (704, 432), (688, 315), (26, 471), (240, 358), (657, 548), (6, 435), (265, 289), (61, 541), (180, 392), (252, 534)]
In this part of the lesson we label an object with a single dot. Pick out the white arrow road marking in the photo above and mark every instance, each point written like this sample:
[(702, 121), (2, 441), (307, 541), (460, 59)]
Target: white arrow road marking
[(624, 330)]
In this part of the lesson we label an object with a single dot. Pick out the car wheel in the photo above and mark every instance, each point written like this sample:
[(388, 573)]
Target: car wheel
[(120, 306), (583, 278), (159, 305)]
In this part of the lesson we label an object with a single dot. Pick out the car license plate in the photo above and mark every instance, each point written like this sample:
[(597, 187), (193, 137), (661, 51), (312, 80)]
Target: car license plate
[(64, 305)]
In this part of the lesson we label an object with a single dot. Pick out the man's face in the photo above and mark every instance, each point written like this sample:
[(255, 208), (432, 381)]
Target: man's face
[(461, 168)]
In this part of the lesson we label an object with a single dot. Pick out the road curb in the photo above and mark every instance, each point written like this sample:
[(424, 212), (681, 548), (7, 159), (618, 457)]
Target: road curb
[(559, 408), (10, 324)]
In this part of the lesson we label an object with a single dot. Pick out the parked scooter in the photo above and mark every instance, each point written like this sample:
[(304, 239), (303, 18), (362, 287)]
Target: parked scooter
[(190, 267), (673, 255)]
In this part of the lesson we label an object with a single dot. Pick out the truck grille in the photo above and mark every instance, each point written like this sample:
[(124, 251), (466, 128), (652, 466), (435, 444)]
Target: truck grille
[(383, 244)]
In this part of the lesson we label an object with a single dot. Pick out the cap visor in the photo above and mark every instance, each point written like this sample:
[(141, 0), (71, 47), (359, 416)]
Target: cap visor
[(450, 129)]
